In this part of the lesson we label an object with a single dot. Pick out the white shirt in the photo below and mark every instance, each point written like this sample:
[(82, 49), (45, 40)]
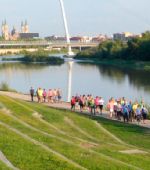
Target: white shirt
[(101, 102)]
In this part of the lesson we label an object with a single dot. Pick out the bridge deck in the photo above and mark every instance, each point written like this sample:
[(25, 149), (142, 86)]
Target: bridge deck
[(15, 44)]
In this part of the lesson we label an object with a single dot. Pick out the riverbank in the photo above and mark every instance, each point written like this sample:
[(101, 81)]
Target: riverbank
[(39, 56), (136, 65), (21, 51), (67, 140), (134, 53), (38, 59), (66, 106)]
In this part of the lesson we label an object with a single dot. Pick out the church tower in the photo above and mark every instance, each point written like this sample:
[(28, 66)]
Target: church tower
[(24, 27), (5, 30), (2, 28)]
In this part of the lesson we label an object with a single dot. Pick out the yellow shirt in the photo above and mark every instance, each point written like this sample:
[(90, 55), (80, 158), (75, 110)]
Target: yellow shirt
[(40, 92), (134, 107)]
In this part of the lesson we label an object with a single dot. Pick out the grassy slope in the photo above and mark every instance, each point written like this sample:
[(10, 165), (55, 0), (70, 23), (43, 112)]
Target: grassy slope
[(132, 134), (76, 137), (3, 166)]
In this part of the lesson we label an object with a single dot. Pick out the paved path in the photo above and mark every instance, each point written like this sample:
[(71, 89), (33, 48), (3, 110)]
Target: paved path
[(62, 105)]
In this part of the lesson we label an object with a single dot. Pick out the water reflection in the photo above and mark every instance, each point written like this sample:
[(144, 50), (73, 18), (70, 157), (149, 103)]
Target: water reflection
[(70, 65), (121, 81), (22, 66), (136, 78), (112, 73), (107, 72), (100, 80)]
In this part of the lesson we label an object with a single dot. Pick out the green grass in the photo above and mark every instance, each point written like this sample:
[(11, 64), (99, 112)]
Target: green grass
[(78, 138), (4, 167), (26, 155), (131, 134)]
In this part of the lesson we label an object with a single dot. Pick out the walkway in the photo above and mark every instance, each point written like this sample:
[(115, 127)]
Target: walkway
[(62, 105)]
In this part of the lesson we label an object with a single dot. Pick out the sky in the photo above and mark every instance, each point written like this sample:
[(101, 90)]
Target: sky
[(85, 17)]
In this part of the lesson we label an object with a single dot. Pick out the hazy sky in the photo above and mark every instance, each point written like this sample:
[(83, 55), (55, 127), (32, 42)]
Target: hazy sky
[(85, 17)]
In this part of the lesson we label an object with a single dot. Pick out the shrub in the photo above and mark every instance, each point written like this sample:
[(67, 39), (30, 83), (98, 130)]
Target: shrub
[(5, 87)]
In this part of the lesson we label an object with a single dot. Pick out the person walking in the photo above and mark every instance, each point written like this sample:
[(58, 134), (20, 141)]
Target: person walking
[(59, 95), (73, 102), (92, 106), (40, 95), (101, 104), (44, 95), (37, 94), (119, 110), (138, 114), (32, 94), (54, 95), (130, 111), (96, 100), (134, 107), (125, 112), (110, 106), (81, 103), (50, 96), (144, 112)]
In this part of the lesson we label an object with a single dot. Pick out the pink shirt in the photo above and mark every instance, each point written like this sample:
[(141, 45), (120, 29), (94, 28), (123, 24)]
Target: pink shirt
[(111, 105), (50, 93), (97, 101), (44, 93)]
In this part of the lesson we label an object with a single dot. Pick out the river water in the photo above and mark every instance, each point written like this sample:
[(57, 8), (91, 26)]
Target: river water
[(101, 80)]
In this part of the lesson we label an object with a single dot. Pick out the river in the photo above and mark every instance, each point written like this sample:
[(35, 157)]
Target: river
[(101, 80)]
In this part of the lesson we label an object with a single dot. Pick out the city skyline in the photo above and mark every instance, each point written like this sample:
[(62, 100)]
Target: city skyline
[(84, 18)]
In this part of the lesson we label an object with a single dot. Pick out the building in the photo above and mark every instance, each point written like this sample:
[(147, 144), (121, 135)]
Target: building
[(125, 36), (28, 35), (83, 39), (25, 33), (100, 38), (5, 30), (15, 35), (55, 38), (24, 27), (119, 36), (76, 39)]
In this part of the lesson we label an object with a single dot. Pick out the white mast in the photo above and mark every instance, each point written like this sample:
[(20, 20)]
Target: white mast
[(70, 53), (70, 65)]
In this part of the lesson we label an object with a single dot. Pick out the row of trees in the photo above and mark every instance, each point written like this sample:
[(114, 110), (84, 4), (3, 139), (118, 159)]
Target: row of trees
[(135, 49)]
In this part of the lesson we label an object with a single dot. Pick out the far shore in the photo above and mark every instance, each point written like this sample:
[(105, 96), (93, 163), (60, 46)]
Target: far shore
[(136, 65), (20, 51)]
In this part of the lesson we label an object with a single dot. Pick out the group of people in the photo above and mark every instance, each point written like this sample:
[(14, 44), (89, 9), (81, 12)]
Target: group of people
[(50, 96), (130, 111), (88, 102), (118, 108)]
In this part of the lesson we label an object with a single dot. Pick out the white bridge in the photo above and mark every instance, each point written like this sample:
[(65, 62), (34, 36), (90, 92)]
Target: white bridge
[(48, 44)]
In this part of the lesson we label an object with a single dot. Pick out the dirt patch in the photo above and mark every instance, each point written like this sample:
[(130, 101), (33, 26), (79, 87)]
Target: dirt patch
[(133, 151), (5, 110), (37, 115), (87, 145)]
